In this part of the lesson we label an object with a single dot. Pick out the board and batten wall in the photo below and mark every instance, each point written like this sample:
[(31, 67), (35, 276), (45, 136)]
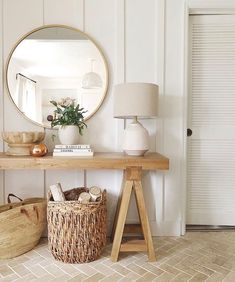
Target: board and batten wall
[(136, 38)]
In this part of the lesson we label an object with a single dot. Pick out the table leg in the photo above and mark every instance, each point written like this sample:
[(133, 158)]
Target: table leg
[(125, 200), (144, 219), (132, 181), (117, 209)]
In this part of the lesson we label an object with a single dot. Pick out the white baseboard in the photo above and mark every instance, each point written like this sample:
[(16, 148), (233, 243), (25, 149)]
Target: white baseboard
[(166, 228)]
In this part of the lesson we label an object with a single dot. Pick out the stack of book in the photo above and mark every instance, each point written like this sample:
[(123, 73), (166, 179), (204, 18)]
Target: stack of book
[(73, 151)]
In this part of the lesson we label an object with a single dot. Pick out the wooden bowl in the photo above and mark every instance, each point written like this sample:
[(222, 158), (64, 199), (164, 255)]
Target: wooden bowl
[(19, 142), (23, 137)]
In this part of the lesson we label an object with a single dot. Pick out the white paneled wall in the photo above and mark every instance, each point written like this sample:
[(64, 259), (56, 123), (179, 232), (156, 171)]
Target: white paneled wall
[(70, 12), (140, 41), (130, 33), (23, 183), (173, 110)]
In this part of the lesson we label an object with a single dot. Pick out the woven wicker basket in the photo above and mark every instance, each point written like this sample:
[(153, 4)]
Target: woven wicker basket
[(21, 226), (76, 232)]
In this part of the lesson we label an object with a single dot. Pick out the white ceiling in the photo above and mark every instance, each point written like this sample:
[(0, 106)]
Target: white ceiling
[(57, 58)]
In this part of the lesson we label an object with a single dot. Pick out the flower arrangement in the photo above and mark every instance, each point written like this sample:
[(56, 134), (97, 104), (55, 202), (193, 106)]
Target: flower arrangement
[(67, 113)]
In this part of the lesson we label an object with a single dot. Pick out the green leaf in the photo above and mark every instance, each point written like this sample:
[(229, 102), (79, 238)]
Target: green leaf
[(53, 103)]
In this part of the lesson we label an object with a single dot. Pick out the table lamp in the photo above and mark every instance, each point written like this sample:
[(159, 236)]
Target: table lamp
[(135, 100)]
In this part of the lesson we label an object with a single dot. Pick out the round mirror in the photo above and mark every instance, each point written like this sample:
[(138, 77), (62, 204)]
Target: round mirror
[(52, 63)]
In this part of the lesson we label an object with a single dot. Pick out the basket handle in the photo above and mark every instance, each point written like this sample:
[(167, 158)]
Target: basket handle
[(35, 209), (12, 195)]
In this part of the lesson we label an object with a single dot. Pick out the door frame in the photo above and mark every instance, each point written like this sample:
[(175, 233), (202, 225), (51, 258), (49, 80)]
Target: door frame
[(194, 7)]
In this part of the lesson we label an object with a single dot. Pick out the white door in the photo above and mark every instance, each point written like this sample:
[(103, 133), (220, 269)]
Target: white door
[(211, 147)]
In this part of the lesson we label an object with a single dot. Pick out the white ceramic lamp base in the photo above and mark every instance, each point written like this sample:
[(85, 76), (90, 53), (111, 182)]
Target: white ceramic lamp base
[(136, 139)]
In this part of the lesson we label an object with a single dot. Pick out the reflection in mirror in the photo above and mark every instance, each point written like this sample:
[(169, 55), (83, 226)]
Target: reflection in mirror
[(52, 63)]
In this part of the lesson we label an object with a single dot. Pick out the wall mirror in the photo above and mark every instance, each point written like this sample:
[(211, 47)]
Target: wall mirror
[(52, 63)]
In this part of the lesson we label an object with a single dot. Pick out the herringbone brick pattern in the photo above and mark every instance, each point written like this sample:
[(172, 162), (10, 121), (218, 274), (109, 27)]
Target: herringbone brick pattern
[(197, 256)]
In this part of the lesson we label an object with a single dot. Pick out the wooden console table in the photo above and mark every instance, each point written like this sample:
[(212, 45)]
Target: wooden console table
[(132, 167)]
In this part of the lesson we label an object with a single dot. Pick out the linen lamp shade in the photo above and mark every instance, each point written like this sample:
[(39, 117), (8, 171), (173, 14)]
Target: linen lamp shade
[(135, 100)]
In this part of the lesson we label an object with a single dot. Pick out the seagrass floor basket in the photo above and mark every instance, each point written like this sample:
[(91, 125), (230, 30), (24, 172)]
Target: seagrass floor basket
[(21, 225), (76, 232)]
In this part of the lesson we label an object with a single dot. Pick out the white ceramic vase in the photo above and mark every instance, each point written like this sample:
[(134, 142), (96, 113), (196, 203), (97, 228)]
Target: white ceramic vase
[(68, 134)]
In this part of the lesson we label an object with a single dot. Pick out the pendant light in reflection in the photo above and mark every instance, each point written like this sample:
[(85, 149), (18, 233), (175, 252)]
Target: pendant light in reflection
[(92, 79)]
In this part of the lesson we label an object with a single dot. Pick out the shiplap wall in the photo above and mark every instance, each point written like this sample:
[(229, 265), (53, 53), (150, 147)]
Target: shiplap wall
[(135, 36)]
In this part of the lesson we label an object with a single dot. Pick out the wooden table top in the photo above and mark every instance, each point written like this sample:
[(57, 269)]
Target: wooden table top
[(150, 161)]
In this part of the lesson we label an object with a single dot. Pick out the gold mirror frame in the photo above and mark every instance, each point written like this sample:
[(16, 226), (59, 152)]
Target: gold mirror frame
[(70, 28)]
